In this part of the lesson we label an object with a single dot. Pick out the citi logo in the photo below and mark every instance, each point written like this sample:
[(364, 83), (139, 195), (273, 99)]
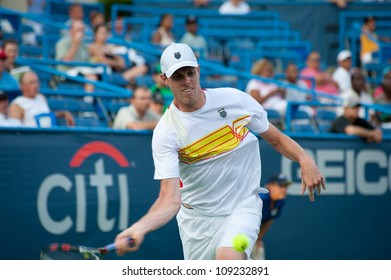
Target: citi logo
[(101, 181)]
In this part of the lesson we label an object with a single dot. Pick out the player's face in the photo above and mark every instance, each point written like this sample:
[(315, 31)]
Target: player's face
[(185, 85)]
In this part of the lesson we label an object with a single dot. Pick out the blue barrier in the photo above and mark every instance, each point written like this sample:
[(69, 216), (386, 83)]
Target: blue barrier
[(85, 185)]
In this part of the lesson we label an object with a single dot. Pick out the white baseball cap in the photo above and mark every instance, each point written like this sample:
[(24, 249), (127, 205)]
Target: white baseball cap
[(344, 55), (175, 56), (351, 101)]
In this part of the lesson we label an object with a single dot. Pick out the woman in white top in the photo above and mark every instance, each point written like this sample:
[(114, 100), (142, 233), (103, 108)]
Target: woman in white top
[(234, 7), (163, 34), (269, 95)]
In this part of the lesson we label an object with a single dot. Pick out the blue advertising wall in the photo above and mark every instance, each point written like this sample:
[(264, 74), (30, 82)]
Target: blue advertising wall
[(84, 187)]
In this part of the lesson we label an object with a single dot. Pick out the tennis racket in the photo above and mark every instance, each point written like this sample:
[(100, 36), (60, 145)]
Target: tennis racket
[(65, 251)]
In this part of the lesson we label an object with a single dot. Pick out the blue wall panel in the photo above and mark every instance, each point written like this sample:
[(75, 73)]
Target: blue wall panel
[(85, 187)]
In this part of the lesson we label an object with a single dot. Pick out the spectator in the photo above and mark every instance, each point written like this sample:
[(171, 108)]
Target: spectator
[(137, 115), (273, 202), (163, 35), (193, 39), (7, 82), (385, 99), (359, 89), (200, 3), (342, 4), (75, 12), (292, 78), (4, 121), (72, 48), (234, 7), (323, 81), (341, 75), (96, 18), (157, 104), (159, 86), (269, 95), (102, 52), (11, 50), (32, 103), (369, 41), (350, 123), (386, 74)]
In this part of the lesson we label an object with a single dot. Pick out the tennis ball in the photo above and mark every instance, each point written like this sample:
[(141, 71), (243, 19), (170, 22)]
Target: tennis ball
[(240, 242)]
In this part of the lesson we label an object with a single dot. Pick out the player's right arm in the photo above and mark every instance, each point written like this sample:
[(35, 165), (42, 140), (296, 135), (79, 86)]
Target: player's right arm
[(310, 174), (161, 212)]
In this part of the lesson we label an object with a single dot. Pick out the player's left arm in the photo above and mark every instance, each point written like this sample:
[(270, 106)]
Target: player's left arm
[(310, 174)]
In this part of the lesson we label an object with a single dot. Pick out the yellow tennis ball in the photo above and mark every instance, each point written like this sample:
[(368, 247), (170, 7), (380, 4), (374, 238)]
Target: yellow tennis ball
[(240, 242)]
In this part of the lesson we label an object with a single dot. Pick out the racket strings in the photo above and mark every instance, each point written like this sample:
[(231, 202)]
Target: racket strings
[(70, 252)]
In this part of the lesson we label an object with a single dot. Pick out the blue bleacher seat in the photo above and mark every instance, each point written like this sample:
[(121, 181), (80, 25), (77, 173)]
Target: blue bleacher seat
[(326, 115), (89, 122), (73, 105), (302, 127), (275, 118), (46, 120), (324, 119), (324, 127), (113, 106), (302, 121)]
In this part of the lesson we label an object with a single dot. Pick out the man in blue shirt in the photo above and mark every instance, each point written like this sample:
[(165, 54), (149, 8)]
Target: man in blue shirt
[(273, 202)]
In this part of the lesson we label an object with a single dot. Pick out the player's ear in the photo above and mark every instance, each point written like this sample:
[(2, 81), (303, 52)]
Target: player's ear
[(164, 78)]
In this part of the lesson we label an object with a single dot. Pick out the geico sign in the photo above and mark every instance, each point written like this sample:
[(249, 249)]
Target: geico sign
[(347, 171), (99, 180)]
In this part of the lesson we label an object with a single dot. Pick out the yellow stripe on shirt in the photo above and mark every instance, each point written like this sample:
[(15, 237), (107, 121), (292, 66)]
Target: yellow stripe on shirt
[(216, 143)]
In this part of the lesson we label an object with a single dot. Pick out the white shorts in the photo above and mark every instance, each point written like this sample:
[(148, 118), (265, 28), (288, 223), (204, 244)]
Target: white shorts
[(202, 235)]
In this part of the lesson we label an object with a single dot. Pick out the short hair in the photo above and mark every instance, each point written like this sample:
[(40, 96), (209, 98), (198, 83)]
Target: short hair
[(96, 27), (139, 88), (11, 41), (21, 77), (369, 18), (93, 14), (73, 6), (163, 17), (259, 65)]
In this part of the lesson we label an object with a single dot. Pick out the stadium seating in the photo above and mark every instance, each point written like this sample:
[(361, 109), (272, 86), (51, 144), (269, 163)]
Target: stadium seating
[(324, 118), (350, 28), (46, 120), (275, 118)]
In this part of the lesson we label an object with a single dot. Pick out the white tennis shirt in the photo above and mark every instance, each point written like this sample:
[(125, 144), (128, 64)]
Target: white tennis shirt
[(212, 150)]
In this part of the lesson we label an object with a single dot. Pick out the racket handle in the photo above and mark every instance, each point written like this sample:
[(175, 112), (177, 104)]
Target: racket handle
[(111, 247)]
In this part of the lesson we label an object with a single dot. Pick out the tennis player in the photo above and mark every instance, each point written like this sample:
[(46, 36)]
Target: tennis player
[(209, 165)]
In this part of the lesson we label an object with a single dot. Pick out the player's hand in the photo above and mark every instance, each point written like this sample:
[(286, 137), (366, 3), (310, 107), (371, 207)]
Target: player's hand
[(122, 241), (311, 178)]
